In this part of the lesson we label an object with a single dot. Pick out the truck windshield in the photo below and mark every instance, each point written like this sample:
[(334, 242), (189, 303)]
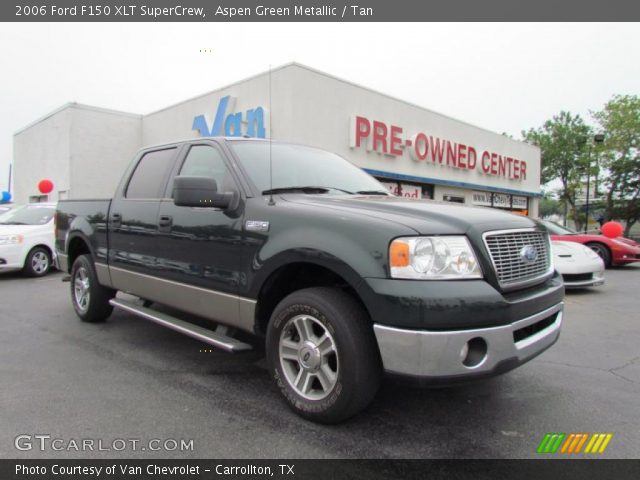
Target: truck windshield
[(303, 169), (28, 215)]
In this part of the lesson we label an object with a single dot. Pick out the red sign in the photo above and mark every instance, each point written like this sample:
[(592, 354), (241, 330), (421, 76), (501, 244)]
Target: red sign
[(389, 140)]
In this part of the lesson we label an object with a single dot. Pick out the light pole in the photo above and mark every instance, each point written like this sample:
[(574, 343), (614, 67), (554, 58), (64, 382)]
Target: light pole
[(597, 138)]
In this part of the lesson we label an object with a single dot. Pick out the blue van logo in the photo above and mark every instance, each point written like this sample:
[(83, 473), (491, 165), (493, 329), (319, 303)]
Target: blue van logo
[(251, 124)]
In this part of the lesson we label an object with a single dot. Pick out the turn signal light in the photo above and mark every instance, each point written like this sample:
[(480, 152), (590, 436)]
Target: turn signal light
[(399, 254)]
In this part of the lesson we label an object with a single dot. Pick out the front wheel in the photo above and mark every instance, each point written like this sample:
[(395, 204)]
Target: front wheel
[(37, 263), (602, 251), (322, 353), (90, 299)]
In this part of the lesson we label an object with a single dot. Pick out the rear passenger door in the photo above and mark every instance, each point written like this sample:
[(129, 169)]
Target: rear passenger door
[(133, 218)]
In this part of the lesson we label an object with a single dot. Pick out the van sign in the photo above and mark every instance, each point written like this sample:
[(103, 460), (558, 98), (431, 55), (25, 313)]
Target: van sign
[(251, 124)]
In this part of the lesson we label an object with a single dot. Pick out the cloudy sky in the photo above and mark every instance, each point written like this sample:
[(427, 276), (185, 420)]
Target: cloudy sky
[(504, 77)]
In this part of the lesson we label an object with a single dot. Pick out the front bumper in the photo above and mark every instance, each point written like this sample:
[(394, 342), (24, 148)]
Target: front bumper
[(577, 281), (12, 256), (442, 355)]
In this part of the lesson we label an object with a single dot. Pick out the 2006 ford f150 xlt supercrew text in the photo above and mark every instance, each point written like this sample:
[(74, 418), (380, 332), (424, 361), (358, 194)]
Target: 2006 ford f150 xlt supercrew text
[(299, 247)]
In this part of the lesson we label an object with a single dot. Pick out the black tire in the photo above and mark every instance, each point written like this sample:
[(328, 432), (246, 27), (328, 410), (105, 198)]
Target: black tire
[(603, 251), (95, 307), (37, 263), (351, 372)]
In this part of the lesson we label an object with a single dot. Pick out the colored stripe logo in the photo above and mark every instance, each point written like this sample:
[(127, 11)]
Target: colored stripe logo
[(573, 443)]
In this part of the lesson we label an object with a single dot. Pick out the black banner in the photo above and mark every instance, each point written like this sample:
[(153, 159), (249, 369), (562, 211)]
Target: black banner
[(318, 469), (316, 10)]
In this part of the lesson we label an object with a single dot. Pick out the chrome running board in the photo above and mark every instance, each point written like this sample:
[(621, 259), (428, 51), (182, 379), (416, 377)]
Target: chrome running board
[(216, 338)]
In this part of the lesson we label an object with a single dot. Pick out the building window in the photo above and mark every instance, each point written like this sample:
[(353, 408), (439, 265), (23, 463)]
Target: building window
[(453, 198), (38, 198)]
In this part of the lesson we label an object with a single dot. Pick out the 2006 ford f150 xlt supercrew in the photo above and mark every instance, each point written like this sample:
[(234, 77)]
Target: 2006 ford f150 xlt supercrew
[(299, 247)]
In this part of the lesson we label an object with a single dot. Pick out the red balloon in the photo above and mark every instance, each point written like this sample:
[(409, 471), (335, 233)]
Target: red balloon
[(612, 229), (45, 186)]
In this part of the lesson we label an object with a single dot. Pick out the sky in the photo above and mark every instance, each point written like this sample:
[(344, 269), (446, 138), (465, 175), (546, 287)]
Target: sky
[(506, 77)]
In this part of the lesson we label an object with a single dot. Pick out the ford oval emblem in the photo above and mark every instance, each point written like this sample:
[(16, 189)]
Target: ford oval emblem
[(529, 254)]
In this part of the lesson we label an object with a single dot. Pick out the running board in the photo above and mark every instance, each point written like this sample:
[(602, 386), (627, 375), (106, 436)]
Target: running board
[(205, 335)]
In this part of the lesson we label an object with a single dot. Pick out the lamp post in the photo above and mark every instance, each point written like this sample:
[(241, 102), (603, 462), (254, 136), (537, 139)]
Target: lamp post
[(597, 138)]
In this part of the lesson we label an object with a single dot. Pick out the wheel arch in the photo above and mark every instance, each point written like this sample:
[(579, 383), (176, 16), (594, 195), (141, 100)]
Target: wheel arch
[(603, 245), (288, 277), (77, 245)]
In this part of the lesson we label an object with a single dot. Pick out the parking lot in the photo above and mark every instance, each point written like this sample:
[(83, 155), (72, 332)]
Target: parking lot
[(129, 379)]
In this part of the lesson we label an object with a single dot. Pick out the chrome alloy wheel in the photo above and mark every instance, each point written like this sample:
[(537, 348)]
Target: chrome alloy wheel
[(39, 262), (309, 357), (81, 289)]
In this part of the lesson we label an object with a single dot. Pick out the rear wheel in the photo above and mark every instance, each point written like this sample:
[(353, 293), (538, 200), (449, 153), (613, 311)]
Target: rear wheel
[(603, 251), (90, 299), (323, 355), (37, 263)]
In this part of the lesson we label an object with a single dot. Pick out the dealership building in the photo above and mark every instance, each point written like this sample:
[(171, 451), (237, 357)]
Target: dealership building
[(414, 151)]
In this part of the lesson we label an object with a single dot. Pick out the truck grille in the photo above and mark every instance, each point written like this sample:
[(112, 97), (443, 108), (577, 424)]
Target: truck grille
[(508, 253)]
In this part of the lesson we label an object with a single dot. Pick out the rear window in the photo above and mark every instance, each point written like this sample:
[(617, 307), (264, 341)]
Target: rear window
[(28, 215), (150, 174)]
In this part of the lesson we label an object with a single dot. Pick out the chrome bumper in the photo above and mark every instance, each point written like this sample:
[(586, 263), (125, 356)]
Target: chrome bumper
[(467, 353)]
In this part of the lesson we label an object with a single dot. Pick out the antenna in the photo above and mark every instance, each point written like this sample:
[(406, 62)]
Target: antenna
[(271, 201)]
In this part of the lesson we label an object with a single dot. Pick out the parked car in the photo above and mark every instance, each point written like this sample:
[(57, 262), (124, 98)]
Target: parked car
[(339, 279), (613, 251), (579, 265), (27, 240)]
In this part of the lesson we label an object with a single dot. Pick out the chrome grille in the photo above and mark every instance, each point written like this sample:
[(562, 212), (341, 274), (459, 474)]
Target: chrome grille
[(505, 248)]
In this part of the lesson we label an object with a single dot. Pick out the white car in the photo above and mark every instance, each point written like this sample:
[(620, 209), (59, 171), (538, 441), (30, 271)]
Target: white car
[(27, 239), (579, 265)]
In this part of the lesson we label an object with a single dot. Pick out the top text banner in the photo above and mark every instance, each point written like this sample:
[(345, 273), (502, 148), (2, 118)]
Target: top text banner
[(317, 11)]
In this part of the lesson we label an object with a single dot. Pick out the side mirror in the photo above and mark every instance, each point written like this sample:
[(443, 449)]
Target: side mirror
[(200, 192)]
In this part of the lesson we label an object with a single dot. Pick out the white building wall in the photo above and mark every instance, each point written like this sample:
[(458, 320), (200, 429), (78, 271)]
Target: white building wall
[(42, 152), (103, 143)]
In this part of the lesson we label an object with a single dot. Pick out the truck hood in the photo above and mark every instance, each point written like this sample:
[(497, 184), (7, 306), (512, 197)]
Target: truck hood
[(424, 216), (24, 229)]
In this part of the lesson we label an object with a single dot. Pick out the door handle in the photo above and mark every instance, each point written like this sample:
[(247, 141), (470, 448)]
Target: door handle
[(164, 224), (165, 221), (116, 220)]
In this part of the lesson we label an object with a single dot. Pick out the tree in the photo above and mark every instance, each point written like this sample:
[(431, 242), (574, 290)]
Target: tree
[(564, 148), (549, 206), (620, 120)]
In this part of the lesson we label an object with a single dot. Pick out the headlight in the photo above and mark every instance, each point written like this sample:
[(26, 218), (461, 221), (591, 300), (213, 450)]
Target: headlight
[(433, 258), (11, 239)]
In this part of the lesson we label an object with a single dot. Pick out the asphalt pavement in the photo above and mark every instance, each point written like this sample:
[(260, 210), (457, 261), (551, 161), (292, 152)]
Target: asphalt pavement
[(129, 379)]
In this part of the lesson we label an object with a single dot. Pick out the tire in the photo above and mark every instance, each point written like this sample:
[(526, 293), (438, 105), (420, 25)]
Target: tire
[(332, 385), (90, 299), (603, 251), (37, 263)]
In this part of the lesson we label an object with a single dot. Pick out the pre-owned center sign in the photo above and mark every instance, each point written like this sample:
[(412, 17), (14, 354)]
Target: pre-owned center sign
[(391, 140)]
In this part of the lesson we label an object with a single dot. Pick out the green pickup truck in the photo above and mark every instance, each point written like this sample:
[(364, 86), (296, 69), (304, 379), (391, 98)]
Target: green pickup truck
[(341, 280)]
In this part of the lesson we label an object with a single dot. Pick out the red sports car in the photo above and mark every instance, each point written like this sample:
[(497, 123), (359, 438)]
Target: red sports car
[(613, 251)]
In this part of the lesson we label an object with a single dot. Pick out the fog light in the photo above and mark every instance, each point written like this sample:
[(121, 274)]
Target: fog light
[(474, 352)]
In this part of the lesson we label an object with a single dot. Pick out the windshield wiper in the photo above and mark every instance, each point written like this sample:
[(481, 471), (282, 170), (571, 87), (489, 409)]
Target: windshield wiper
[(305, 189), (372, 192), (13, 223)]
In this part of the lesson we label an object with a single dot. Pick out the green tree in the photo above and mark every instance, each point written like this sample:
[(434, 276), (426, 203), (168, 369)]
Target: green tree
[(620, 158), (549, 206), (563, 145)]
